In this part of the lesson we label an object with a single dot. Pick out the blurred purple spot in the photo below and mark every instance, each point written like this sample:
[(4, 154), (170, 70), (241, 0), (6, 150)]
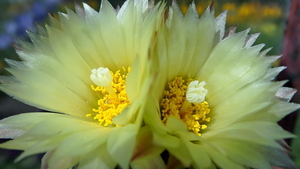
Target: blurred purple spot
[(11, 27), (5, 41), (39, 11), (25, 22)]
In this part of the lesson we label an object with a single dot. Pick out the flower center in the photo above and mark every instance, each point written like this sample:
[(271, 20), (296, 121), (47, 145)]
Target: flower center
[(111, 90), (185, 100)]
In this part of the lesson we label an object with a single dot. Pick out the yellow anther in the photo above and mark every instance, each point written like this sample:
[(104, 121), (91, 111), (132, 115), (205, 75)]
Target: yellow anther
[(175, 104), (113, 98)]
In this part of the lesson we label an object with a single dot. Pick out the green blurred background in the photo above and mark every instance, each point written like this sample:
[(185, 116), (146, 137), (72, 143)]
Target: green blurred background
[(265, 16)]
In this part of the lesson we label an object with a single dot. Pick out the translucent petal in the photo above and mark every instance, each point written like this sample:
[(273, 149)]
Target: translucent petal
[(277, 157), (220, 25), (182, 154), (251, 39), (221, 160), (121, 142), (243, 153), (198, 154), (258, 132), (221, 53), (286, 93), (242, 100), (78, 32), (145, 149), (197, 45), (39, 81), (90, 139), (36, 97), (10, 133), (99, 158), (67, 53), (149, 164), (52, 67)]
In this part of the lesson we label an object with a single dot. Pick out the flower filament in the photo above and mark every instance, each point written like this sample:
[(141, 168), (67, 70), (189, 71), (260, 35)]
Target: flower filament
[(185, 100), (113, 97)]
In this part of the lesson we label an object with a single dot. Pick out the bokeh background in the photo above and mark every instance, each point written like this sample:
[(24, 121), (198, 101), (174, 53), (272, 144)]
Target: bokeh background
[(276, 20)]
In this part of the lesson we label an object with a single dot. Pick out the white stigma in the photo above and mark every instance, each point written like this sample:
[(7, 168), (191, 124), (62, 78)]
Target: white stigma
[(101, 76), (195, 92)]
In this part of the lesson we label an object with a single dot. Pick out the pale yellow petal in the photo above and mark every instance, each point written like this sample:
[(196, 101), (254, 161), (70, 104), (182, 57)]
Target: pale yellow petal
[(200, 158), (121, 142), (221, 160), (99, 158)]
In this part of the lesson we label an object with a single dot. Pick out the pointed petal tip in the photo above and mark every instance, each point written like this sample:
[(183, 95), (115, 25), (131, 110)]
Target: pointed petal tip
[(211, 6)]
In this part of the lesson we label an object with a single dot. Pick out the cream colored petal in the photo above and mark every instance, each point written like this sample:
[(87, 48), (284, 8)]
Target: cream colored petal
[(45, 159), (36, 97), (200, 158), (243, 153), (248, 99), (281, 109), (41, 82), (127, 14), (77, 30), (274, 113), (18, 144), (99, 158), (26, 120), (137, 87), (67, 162), (66, 52), (220, 26), (221, 160), (222, 53), (277, 157), (52, 67), (152, 116), (61, 134), (197, 45), (145, 150), (161, 133), (121, 142), (239, 72), (42, 146), (134, 80), (285, 93), (251, 39), (272, 73), (68, 148), (179, 129), (7, 133), (260, 133), (165, 140), (181, 153), (53, 21), (143, 42), (149, 164), (176, 125), (108, 37), (94, 20), (41, 44)]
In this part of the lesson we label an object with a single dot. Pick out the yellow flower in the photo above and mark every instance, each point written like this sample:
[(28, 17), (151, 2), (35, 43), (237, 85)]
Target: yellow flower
[(231, 119), (88, 68)]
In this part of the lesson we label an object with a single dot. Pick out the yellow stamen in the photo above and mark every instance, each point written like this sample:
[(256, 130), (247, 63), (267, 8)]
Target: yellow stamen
[(175, 104), (113, 99)]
